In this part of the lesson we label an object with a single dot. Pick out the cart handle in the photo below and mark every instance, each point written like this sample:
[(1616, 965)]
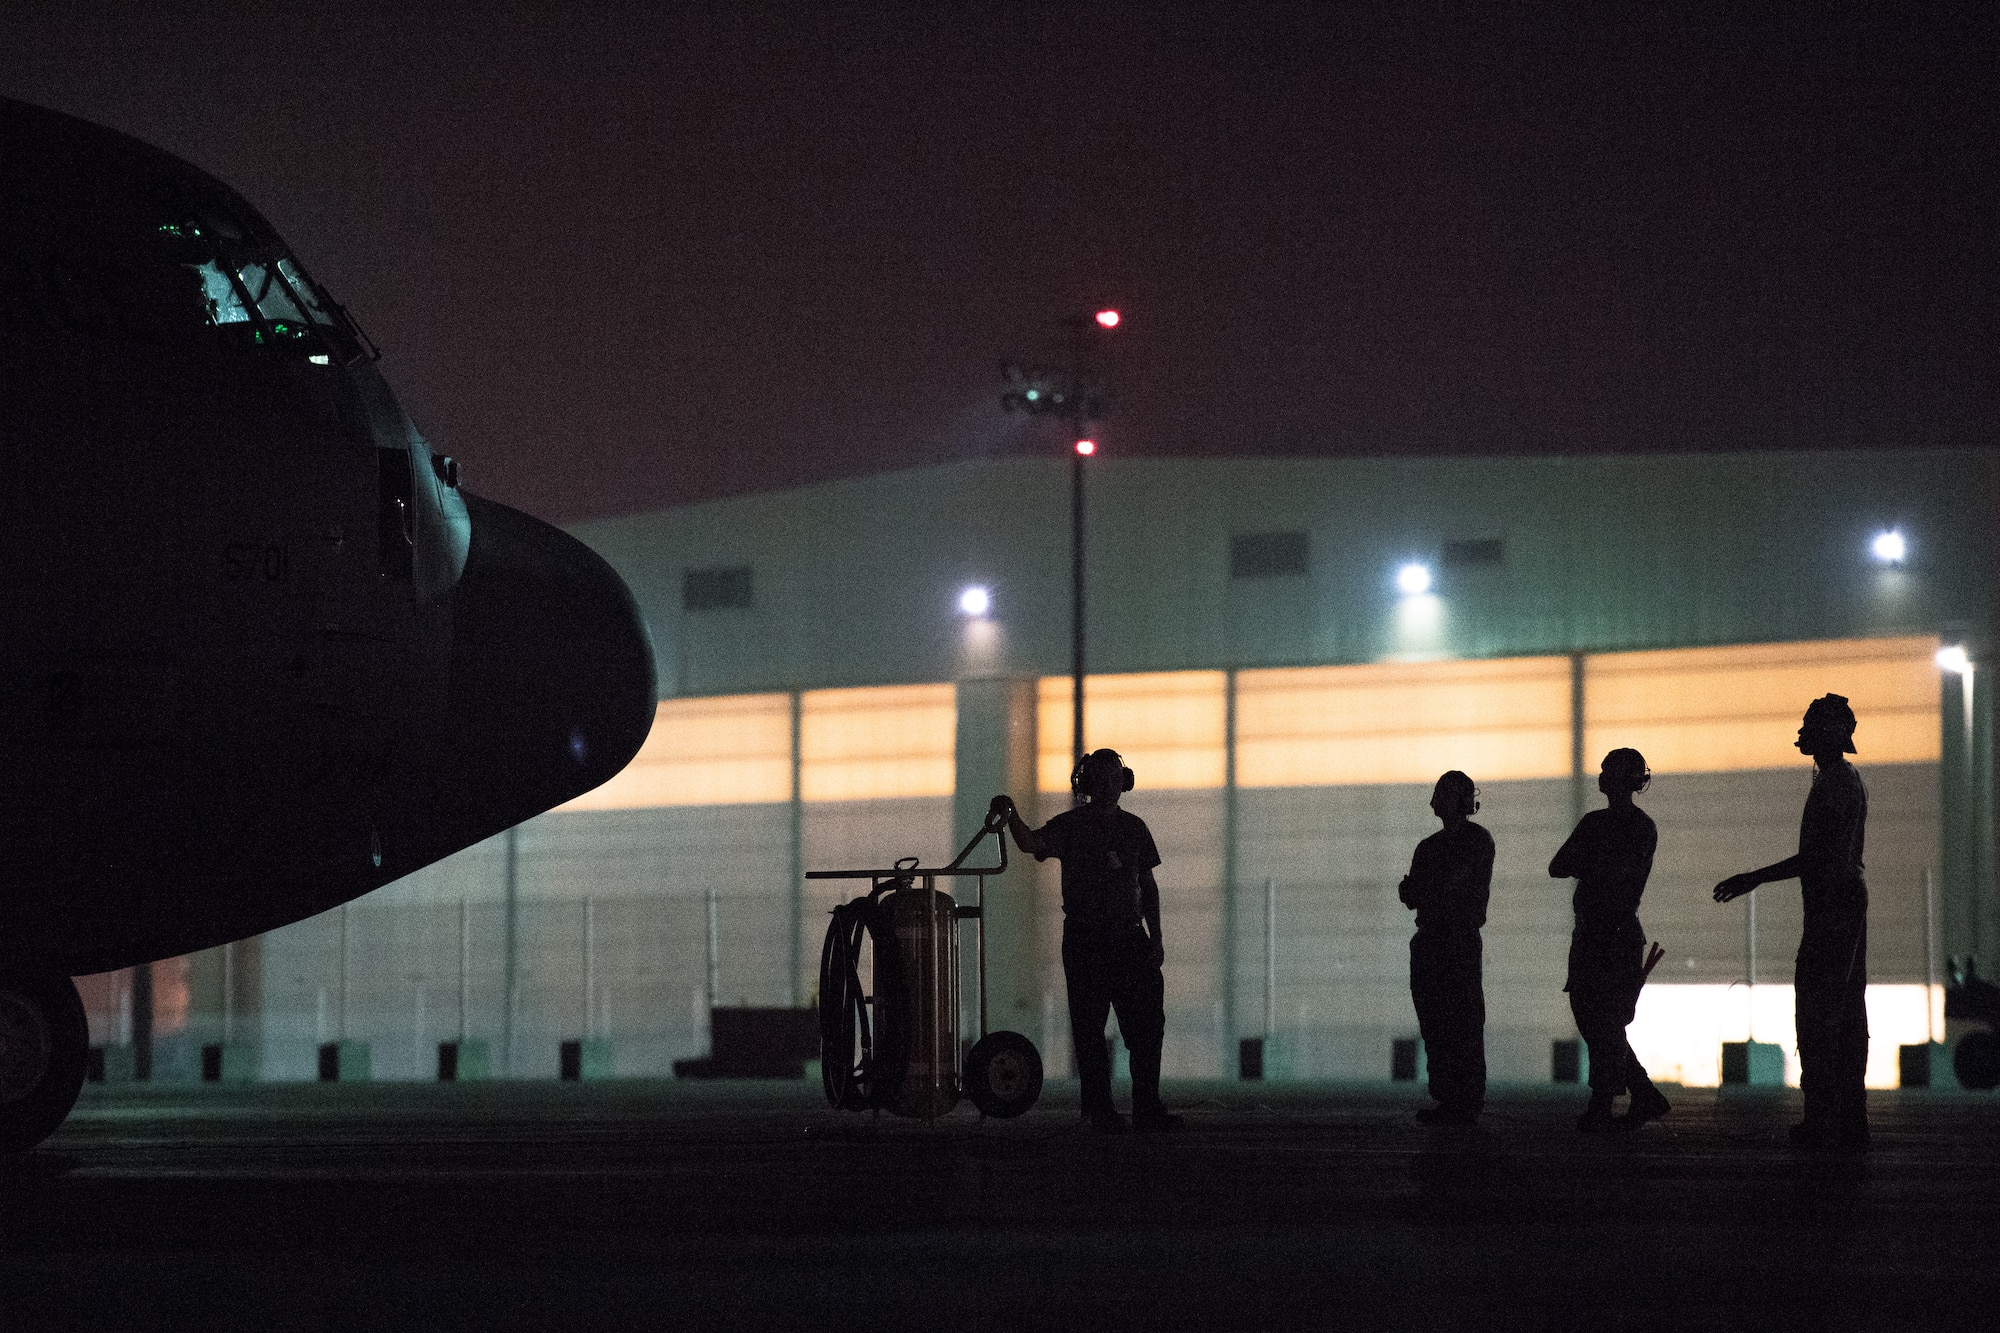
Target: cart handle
[(995, 824)]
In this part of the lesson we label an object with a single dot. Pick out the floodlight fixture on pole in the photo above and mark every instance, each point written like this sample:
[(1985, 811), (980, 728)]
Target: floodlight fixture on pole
[(1070, 396)]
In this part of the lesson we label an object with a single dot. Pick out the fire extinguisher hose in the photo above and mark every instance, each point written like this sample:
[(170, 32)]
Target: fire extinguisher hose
[(846, 1041)]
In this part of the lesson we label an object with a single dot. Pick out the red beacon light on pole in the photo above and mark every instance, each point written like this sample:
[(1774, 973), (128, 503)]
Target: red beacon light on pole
[(1086, 447), (1107, 319)]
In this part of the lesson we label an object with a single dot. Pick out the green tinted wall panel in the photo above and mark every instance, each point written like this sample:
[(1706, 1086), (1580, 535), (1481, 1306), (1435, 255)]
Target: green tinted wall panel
[(856, 580)]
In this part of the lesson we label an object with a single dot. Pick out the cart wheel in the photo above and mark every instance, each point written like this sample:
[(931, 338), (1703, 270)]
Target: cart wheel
[(1976, 1061), (1003, 1074)]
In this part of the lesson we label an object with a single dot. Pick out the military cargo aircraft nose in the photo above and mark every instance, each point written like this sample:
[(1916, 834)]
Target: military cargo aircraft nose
[(552, 679)]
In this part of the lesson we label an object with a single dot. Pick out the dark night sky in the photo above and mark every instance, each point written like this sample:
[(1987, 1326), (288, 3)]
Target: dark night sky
[(618, 260)]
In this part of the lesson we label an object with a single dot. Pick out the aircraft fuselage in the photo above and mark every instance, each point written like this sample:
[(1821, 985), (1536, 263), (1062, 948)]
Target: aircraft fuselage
[(259, 654)]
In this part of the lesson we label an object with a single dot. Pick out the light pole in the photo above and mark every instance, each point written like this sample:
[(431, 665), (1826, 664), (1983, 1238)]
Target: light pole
[(1069, 395)]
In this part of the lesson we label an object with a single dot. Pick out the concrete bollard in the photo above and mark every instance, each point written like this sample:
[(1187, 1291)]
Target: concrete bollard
[(343, 1062), (1753, 1064), (1925, 1064), (112, 1062), (228, 1062), (586, 1060), (1569, 1061), (464, 1062)]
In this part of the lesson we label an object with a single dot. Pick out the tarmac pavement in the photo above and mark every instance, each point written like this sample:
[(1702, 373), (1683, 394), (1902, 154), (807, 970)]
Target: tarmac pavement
[(748, 1205)]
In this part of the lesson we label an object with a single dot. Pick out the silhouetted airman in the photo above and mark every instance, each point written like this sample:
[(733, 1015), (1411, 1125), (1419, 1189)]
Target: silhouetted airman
[(1610, 855), (1111, 950), (1831, 979), (1450, 878)]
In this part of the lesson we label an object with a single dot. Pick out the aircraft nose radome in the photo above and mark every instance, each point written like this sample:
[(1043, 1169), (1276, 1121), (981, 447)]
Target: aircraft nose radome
[(552, 681)]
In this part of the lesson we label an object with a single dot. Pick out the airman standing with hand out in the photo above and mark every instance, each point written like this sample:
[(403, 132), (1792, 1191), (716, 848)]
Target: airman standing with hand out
[(1111, 950), (1831, 981)]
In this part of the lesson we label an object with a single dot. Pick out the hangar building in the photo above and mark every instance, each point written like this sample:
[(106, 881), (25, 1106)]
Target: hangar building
[(1261, 652)]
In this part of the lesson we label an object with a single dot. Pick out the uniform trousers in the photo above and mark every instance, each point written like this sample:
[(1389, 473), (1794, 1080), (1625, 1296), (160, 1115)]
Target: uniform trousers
[(1830, 990), (1606, 971), (1107, 970), (1448, 988), (1601, 1019)]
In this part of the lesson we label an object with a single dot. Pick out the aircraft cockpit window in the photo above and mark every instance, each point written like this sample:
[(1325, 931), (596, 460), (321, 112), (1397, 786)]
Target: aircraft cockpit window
[(224, 298), (265, 297), (304, 293), (274, 301)]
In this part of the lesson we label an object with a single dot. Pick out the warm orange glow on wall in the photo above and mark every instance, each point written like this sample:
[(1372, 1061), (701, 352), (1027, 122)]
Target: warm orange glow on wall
[(732, 750), (1689, 710), (888, 741), (1403, 722), (1169, 725), (1694, 710), (172, 998)]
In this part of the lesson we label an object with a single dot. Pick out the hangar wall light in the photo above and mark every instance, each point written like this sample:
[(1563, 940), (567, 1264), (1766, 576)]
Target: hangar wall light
[(1889, 547), (1413, 580), (976, 602)]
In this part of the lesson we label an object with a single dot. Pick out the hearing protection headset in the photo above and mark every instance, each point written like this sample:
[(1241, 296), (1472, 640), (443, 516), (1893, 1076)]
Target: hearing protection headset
[(1468, 791), (1634, 764), (1105, 756)]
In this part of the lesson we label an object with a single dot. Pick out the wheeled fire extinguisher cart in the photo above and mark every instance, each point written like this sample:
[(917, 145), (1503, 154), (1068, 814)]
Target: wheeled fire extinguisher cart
[(906, 1059)]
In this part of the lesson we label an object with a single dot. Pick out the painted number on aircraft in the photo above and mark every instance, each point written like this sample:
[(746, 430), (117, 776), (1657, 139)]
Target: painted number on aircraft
[(262, 562)]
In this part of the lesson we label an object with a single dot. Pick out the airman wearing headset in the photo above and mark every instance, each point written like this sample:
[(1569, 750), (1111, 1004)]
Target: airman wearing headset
[(1449, 880), (1831, 981), (1610, 854), (1111, 947)]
